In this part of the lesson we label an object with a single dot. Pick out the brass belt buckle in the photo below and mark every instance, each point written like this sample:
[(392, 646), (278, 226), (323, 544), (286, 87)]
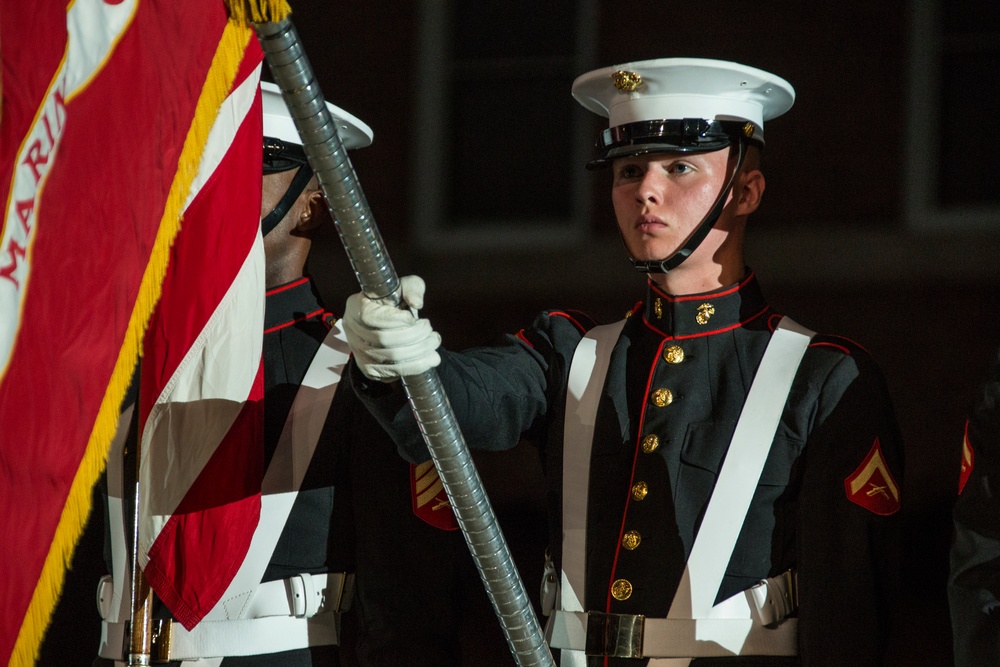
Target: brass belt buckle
[(615, 635)]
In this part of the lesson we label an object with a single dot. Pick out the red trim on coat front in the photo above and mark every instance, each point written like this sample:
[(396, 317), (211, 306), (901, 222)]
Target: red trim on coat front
[(282, 288), (635, 459), (303, 318)]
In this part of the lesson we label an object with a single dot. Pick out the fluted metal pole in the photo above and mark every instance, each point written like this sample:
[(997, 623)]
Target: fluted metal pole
[(378, 279)]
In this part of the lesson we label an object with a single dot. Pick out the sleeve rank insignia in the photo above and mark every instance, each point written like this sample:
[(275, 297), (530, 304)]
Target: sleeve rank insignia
[(872, 486), (968, 458), (430, 500)]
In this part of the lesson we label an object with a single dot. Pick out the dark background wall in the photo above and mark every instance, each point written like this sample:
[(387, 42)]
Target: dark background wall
[(835, 245)]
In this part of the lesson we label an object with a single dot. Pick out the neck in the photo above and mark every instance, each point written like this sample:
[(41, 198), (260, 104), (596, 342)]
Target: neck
[(698, 274), (284, 258), (282, 272), (274, 280), (683, 281), (713, 265)]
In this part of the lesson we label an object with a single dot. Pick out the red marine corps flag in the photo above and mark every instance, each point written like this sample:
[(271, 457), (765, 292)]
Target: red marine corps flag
[(130, 164)]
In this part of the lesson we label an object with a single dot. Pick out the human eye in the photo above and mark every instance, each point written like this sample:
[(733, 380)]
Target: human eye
[(681, 168), (627, 170)]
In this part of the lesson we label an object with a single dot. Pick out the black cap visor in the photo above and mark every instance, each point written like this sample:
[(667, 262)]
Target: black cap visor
[(687, 135), (282, 156)]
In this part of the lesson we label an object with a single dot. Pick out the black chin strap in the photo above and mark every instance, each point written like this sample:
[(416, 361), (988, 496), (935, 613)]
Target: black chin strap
[(675, 260), (295, 188)]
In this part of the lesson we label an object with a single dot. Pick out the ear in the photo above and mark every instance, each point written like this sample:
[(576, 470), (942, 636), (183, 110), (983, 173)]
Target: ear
[(751, 192), (315, 211)]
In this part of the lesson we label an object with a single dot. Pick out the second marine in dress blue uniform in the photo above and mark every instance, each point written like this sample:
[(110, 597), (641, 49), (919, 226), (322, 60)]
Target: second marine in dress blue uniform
[(974, 577), (318, 534), (353, 511)]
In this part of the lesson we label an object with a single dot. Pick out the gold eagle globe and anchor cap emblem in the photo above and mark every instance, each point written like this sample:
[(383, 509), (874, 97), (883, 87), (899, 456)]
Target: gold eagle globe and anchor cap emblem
[(626, 81)]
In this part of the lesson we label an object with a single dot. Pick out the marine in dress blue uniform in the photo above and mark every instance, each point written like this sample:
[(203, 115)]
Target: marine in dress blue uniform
[(316, 539), (824, 511), (402, 611), (974, 579)]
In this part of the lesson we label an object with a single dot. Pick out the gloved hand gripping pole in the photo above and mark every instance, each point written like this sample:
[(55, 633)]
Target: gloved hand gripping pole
[(377, 277)]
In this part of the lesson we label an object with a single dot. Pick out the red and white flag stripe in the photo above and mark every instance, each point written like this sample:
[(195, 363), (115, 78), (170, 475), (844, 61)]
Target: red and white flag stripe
[(201, 390)]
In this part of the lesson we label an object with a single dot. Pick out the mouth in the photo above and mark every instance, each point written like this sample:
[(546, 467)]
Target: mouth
[(649, 224)]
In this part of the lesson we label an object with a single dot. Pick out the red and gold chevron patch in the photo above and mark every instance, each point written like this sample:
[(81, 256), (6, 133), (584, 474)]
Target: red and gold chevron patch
[(430, 501), (872, 486), (968, 459)]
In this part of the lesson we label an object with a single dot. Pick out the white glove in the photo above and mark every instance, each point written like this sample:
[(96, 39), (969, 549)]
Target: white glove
[(388, 341)]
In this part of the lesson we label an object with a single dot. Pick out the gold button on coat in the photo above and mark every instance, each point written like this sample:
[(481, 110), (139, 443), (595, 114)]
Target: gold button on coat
[(631, 539), (663, 397), (673, 354), (621, 589), (650, 443), (639, 490)]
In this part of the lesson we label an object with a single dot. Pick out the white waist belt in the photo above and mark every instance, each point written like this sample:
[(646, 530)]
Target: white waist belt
[(624, 635), (283, 615), (217, 639), (767, 628)]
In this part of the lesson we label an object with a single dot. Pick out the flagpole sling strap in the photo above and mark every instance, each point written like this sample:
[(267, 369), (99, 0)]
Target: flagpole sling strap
[(740, 472), (283, 479), (695, 626), (285, 615), (583, 393), (114, 600), (584, 388)]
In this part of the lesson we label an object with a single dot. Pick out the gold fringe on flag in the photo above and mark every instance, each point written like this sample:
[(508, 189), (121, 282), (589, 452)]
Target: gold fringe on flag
[(257, 11), (219, 81)]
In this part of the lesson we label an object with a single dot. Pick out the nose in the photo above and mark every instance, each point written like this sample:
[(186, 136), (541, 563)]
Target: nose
[(650, 188)]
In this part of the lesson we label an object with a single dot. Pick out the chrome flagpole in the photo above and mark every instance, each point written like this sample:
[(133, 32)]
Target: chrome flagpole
[(378, 280)]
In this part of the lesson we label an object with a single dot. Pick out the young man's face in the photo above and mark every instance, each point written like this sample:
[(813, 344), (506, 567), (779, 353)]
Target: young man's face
[(660, 198)]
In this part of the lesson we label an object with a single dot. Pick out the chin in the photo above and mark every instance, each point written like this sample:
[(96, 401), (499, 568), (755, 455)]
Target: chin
[(647, 254)]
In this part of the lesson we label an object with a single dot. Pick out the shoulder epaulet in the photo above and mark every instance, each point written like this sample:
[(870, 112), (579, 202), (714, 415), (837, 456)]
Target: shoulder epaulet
[(554, 320), (833, 342), (845, 345), (580, 320)]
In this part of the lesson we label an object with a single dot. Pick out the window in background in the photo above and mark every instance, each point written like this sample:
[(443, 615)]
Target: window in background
[(501, 141), (954, 150)]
